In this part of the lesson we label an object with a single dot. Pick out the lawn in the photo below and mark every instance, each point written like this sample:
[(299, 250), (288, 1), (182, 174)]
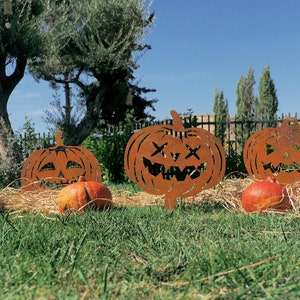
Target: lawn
[(199, 251)]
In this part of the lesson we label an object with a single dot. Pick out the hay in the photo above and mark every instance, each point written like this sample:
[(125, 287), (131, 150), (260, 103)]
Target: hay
[(38, 201), (227, 193)]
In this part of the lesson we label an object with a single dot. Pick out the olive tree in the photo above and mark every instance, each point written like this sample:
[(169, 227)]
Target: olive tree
[(19, 42), (92, 47)]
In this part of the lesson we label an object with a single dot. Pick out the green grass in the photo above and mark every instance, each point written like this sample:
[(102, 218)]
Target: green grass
[(147, 253)]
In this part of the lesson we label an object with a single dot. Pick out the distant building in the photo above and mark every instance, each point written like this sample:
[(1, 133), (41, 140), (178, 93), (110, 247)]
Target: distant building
[(207, 122)]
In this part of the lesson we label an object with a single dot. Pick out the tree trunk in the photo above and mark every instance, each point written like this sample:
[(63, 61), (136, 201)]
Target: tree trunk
[(75, 135), (10, 152)]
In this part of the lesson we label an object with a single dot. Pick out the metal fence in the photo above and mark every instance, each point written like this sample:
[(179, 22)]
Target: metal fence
[(229, 139)]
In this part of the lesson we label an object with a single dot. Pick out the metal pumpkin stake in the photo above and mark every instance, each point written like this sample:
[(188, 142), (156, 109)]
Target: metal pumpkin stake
[(174, 161)]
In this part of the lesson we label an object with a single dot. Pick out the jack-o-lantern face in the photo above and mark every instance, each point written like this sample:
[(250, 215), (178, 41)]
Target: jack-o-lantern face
[(275, 151), (176, 162), (59, 165), (168, 163)]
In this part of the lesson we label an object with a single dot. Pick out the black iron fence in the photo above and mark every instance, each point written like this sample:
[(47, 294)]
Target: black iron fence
[(234, 133)]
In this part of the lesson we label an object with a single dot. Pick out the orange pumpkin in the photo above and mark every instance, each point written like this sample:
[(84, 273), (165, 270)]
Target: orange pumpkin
[(275, 151), (80, 195), (59, 165), (265, 194), (173, 161)]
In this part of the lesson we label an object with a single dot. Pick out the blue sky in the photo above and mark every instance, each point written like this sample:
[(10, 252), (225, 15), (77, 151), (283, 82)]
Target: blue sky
[(198, 46)]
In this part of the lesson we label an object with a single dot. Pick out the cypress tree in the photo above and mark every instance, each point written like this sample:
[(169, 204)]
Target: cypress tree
[(221, 115), (246, 107), (267, 105)]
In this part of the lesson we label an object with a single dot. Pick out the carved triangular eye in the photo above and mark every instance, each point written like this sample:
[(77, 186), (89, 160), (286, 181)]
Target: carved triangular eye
[(73, 164), (48, 166)]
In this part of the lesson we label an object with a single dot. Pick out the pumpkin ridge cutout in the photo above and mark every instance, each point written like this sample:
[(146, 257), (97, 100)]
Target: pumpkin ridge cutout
[(59, 165), (173, 161)]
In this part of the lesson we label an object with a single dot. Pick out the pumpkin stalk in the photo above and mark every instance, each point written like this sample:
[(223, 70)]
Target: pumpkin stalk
[(58, 138), (177, 122)]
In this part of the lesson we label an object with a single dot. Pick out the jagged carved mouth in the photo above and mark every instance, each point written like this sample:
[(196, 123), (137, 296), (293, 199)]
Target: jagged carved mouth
[(281, 167), (155, 169)]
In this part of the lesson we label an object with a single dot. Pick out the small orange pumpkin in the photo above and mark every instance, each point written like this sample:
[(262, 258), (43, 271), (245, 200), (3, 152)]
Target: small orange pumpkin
[(265, 194), (79, 195), (59, 165), (274, 151), (173, 161)]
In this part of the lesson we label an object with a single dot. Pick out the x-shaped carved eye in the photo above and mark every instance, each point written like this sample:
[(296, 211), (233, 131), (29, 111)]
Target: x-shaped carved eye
[(193, 151), (159, 149)]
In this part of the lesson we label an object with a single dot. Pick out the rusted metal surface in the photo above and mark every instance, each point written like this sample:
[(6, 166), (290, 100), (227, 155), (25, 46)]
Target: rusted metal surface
[(275, 152), (59, 165), (173, 161)]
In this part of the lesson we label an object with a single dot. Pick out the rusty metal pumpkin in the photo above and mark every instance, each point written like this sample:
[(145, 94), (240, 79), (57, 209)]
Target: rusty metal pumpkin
[(275, 151), (173, 161), (59, 165)]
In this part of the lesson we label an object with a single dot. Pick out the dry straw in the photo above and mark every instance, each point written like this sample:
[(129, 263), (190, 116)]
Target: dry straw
[(227, 193)]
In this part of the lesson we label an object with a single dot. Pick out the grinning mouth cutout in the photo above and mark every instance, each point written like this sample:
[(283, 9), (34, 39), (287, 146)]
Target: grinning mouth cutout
[(155, 169), (282, 167)]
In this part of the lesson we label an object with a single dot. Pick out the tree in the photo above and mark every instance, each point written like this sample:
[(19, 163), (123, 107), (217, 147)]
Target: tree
[(246, 106), (96, 54), (267, 105), (20, 42), (221, 115)]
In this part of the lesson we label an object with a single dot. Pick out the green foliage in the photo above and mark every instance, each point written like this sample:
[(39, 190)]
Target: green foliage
[(267, 105), (92, 48), (20, 43), (27, 141), (24, 38), (190, 121), (9, 168), (145, 253), (221, 115), (234, 161), (30, 141), (246, 107), (9, 172), (109, 147)]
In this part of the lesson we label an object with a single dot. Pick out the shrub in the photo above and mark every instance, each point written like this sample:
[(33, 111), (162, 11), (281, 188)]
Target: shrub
[(30, 141), (109, 147), (234, 161), (10, 166), (9, 172)]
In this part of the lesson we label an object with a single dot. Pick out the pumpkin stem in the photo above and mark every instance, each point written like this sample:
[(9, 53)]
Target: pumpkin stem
[(170, 203), (58, 139), (177, 123)]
